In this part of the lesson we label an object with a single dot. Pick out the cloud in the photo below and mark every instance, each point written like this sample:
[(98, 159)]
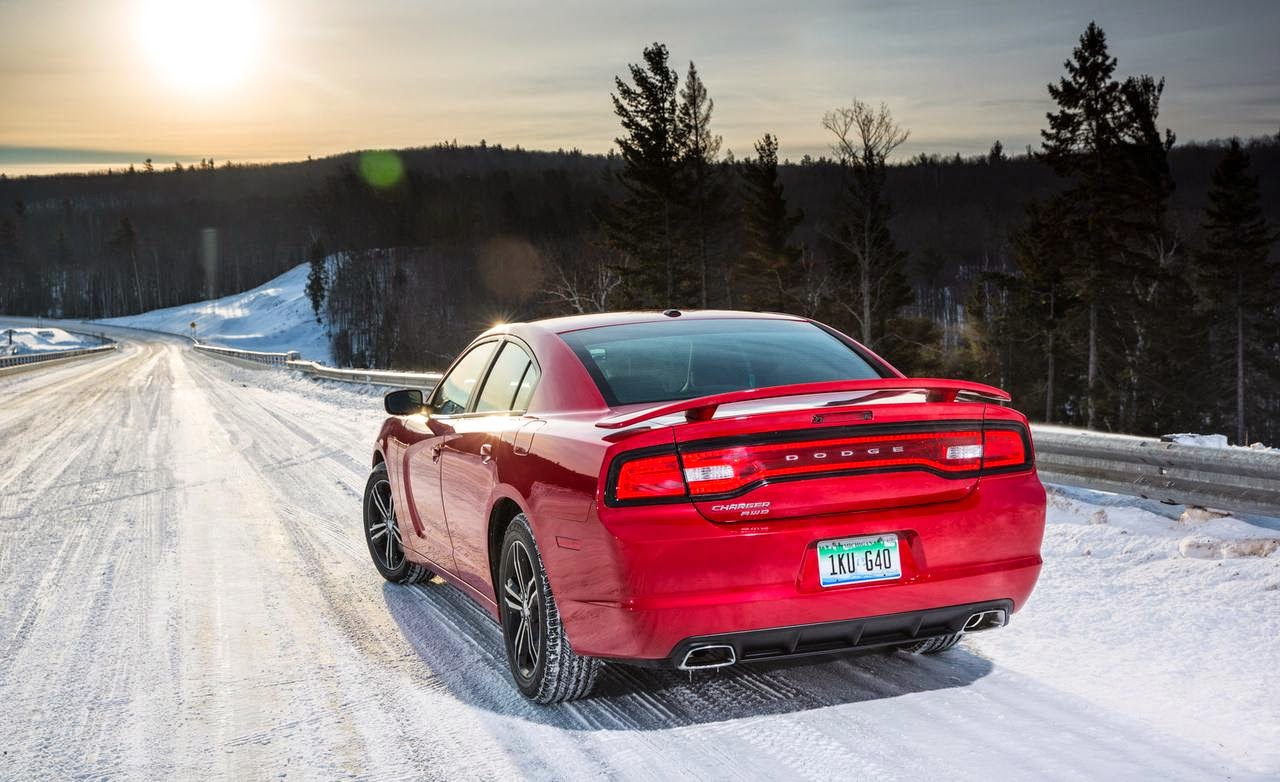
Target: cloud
[(15, 155)]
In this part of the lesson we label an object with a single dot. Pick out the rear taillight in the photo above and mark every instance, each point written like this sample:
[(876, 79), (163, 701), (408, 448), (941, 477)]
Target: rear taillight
[(1004, 449), (709, 472), (649, 478)]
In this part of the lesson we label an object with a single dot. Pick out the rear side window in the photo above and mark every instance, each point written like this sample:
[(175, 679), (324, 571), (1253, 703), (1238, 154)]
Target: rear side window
[(455, 390), (525, 391), (508, 379), (673, 360)]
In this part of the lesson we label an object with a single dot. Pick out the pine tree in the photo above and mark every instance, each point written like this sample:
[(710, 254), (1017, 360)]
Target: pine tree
[(1082, 144), (703, 184), (1241, 285), (772, 262), (644, 224), (125, 242), (1159, 333), (1040, 300), (317, 276)]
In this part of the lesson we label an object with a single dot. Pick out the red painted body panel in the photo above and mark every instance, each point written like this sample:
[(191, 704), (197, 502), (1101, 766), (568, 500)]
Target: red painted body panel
[(633, 581)]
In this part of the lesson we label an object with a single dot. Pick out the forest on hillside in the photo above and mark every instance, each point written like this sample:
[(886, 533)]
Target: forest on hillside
[(1111, 277)]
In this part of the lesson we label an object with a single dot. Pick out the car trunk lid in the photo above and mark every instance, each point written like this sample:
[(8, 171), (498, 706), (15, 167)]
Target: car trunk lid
[(851, 453)]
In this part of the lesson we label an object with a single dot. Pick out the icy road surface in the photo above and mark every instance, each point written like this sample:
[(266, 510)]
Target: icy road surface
[(184, 592)]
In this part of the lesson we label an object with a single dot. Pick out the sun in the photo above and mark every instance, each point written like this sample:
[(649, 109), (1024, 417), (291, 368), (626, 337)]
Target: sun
[(200, 43)]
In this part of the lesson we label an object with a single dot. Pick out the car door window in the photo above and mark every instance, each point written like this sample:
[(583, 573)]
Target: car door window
[(506, 382), (455, 390), (525, 391)]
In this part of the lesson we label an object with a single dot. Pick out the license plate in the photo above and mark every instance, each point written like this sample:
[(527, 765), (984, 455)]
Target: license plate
[(858, 560)]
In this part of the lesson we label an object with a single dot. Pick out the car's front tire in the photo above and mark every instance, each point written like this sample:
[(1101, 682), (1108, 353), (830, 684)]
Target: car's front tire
[(382, 533), (545, 669)]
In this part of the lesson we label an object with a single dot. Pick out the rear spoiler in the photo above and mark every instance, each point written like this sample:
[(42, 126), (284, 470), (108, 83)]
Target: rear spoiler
[(703, 408)]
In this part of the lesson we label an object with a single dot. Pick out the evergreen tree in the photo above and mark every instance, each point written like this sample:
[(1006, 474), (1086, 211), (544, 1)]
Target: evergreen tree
[(1160, 336), (704, 186), (772, 262), (644, 225), (124, 241), (1240, 284), (1040, 304), (317, 276), (1082, 144)]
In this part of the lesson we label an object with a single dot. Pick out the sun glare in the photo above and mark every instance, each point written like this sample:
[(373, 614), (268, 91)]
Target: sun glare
[(200, 43)]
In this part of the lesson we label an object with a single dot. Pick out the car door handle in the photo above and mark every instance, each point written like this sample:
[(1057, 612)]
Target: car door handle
[(435, 452), (486, 453)]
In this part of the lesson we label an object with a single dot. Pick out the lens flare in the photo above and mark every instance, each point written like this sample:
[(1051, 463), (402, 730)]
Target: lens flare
[(381, 168)]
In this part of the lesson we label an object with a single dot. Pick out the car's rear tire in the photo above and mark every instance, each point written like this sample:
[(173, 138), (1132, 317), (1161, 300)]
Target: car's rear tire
[(935, 645), (543, 665), (382, 533)]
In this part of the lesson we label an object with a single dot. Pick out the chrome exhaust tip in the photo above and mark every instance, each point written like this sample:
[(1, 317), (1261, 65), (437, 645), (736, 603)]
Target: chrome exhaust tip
[(708, 657), (986, 620)]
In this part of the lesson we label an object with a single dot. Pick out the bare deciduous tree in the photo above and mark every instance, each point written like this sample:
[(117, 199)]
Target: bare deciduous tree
[(585, 288), (865, 136), (815, 286)]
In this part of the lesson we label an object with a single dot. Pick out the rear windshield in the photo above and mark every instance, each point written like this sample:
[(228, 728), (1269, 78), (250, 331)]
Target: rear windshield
[(673, 360)]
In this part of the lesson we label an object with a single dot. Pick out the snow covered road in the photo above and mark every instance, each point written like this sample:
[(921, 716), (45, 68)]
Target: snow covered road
[(184, 591)]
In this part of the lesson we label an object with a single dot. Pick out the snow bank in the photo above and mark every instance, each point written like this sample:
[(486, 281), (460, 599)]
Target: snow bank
[(42, 340), (1209, 441), (275, 316), (1167, 614), (1198, 440)]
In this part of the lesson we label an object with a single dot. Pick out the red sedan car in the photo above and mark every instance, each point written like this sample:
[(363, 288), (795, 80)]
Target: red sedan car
[(702, 489)]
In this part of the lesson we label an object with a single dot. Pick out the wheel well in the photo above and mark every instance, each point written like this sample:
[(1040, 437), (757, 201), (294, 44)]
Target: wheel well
[(504, 510), (377, 459)]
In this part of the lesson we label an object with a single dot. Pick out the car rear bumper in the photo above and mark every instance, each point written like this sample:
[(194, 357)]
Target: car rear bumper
[(656, 631), (846, 635), (652, 586)]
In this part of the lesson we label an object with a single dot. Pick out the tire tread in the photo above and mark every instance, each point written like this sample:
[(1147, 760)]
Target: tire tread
[(935, 645)]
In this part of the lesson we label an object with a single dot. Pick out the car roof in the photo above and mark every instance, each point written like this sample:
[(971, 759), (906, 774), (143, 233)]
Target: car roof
[(595, 320)]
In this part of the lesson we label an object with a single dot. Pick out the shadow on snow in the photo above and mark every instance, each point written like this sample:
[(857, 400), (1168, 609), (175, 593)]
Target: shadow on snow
[(461, 651)]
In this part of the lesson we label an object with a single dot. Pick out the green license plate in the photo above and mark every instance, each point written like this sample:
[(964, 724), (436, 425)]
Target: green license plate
[(858, 560)]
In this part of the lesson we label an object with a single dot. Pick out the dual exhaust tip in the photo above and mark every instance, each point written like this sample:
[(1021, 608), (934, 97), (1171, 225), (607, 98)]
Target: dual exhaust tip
[(711, 656), (986, 620)]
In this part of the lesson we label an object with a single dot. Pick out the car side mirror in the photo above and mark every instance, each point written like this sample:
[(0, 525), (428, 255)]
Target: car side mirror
[(406, 402)]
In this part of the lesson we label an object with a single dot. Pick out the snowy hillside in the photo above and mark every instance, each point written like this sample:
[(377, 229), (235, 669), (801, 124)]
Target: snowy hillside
[(275, 316), (41, 340)]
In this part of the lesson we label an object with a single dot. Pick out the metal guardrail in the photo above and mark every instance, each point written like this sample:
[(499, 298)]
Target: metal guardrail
[(374, 377), (255, 356), (1235, 479), (51, 356), (292, 360)]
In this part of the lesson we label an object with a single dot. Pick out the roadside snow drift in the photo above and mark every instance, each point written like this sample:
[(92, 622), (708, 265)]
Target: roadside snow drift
[(275, 316), (18, 341), (1167, 614)]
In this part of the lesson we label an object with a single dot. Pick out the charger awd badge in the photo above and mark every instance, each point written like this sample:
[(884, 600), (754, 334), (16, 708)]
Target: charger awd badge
[(744, 509)]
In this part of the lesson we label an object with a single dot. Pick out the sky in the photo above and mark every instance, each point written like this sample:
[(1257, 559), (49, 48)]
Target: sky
[(88, 83)]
